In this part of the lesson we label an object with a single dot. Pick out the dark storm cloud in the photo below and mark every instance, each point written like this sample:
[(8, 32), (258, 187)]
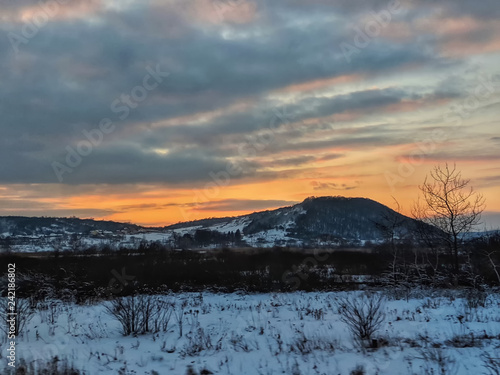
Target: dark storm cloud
[(331, 186), (361, 102), (242, 205), (67, 76), (14, 207), (485, 9), (330, 157), (298, 160), (294, 161), (38, 212), (464, 155), (332, 143)]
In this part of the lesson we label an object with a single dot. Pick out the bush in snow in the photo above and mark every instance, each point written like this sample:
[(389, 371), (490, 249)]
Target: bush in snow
[(21, 310), (358, 370), (55, 366), (140, 314), (363, 314)]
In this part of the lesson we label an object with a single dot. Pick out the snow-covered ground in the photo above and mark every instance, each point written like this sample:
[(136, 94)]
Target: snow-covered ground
[(296, 333)]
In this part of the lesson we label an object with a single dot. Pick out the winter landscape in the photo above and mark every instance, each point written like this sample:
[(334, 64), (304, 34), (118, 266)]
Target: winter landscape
[(261, 187), (195, 299)]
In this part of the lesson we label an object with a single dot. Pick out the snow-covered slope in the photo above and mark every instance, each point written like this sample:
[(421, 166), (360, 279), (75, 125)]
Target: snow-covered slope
[(315, 221), (323, 221)]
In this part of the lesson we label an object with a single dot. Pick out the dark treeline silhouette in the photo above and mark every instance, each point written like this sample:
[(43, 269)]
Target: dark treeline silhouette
[(90, 273), (153, 268), (21, 225)]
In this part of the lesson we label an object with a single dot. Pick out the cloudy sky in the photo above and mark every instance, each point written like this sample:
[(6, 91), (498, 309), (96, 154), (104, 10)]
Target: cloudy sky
[(162, 111)]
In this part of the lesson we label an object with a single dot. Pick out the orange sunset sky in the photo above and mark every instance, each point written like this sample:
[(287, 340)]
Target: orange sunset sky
[(155, 112)]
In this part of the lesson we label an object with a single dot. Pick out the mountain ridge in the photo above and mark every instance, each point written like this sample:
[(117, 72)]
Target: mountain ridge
[(316, 221), (335, 218)]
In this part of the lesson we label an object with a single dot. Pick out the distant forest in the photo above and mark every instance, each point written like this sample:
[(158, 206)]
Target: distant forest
[(151, 268)]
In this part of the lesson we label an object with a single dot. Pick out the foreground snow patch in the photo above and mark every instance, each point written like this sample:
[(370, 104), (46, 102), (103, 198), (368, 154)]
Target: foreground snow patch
[(296, 333)]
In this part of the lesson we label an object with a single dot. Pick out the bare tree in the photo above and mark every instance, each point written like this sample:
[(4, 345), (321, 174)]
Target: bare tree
[(450, 205), (127, 311)]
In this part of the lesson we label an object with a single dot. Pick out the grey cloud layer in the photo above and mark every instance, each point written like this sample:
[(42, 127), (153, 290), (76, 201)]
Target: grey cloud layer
[(66, 77)]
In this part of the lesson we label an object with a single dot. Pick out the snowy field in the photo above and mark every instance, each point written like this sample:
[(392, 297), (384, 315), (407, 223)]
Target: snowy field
[(264, 334)]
